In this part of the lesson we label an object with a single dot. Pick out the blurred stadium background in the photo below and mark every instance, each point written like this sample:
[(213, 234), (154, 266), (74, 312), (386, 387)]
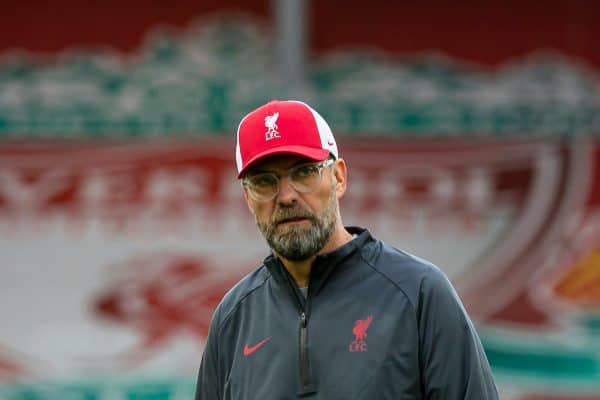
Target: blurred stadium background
[(470, 129)]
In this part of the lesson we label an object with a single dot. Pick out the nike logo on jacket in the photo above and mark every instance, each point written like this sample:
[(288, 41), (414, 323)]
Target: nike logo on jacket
[(250, 350)]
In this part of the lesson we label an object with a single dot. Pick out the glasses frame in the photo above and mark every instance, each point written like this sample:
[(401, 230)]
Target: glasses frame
[(321, 165)]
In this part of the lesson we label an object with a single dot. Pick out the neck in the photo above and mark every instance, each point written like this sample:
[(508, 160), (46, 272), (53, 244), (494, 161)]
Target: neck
[(300, 270)]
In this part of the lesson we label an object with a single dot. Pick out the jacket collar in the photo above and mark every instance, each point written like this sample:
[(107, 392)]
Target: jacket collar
[(325, 263)]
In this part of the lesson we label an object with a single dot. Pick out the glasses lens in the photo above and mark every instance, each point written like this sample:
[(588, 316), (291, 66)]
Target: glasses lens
[(263, 186), (305, 178)]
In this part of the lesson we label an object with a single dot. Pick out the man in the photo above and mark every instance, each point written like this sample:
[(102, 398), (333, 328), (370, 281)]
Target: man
[(332, 313)]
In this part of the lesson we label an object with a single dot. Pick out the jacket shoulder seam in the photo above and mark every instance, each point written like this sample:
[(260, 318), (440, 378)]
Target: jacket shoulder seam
[(395, 284), (241, 300)]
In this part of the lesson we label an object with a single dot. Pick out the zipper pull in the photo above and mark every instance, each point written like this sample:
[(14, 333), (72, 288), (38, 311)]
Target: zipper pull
[(303, 319)]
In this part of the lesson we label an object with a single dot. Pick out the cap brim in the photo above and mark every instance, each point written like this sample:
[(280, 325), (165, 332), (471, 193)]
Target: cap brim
[(303, 151)]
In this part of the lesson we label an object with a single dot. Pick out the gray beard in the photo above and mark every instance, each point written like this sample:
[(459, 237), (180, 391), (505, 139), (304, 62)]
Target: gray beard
[(298, 243)]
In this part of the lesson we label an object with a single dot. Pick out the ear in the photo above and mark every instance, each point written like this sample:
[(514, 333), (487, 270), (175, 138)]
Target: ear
[(339, 174)]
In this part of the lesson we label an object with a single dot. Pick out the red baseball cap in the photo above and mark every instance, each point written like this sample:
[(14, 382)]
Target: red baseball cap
[(283, 127)]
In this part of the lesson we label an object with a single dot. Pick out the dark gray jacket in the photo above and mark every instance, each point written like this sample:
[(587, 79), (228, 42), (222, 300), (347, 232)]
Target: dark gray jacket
[(377, 324)]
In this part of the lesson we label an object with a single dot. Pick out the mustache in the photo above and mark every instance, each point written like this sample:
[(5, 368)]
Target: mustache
[(284, 214)]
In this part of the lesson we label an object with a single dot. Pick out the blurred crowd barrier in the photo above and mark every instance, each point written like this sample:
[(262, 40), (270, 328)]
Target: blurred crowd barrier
[(122, 223), (205, 78)]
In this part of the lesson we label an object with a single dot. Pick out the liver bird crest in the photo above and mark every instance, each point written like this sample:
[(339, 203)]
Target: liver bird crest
[(271, 122), (361, 326)]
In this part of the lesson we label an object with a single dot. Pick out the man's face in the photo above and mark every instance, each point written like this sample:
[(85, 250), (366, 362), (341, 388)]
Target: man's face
[(296, 225)]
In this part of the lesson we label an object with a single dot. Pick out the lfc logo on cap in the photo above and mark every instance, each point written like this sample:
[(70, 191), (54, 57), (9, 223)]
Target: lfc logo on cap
[(271, 124)]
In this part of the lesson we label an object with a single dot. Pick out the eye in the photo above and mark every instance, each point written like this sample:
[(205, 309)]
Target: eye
[(305, 171), (263, 180)]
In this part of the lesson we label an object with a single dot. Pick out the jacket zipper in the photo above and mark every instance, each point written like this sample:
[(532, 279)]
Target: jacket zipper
[(304, 371), (307, 386)]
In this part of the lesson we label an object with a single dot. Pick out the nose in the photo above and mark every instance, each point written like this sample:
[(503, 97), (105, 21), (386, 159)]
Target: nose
[(287, 194)]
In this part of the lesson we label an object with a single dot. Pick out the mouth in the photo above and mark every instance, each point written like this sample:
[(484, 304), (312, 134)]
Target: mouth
[(293, 221)]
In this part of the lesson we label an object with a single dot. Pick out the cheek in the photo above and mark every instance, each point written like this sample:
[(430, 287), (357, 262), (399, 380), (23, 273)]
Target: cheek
[(261, 211), (319, 202)]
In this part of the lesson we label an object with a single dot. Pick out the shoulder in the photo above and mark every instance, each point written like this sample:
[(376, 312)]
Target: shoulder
[(424, 284), (239, 292), (414, 276)]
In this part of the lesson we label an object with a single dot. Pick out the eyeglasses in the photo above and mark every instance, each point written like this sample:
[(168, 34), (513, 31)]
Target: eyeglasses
[(304, 178)]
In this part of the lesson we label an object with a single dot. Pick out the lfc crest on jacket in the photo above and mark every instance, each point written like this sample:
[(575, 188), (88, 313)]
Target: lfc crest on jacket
[(360, 334)]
